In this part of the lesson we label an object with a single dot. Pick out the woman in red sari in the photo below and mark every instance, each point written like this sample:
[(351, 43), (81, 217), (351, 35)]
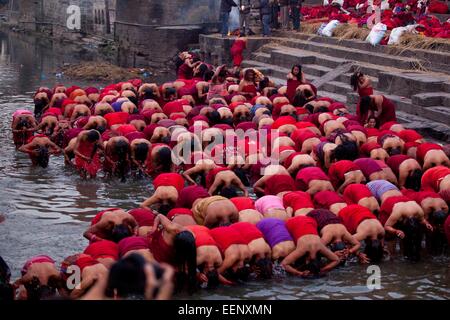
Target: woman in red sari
[(362, 84), (86, 149), (294, 79), (378, 106)]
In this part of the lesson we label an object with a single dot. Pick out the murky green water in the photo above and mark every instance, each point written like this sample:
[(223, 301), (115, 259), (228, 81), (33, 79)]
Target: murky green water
[(47, 210)]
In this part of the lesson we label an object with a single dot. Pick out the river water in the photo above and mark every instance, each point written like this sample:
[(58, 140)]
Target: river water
[(47, 210)]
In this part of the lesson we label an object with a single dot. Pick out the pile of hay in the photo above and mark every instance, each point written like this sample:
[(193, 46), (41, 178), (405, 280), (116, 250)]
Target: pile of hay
[(416, 41), (101, 71), (310, 27), (350, 31)]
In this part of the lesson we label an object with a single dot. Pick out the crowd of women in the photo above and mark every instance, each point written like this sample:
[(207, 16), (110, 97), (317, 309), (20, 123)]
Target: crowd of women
[(339, 188)]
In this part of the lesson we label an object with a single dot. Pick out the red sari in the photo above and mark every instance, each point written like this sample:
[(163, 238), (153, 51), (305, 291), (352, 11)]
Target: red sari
[(87, 150)]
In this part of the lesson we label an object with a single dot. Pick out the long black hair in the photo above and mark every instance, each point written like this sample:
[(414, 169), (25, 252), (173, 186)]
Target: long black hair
[(127, 278), (414, 180), (354, 80), (412, 243), (186, 260), (165, 159), (141, 152), (122, 151), (42, 156)]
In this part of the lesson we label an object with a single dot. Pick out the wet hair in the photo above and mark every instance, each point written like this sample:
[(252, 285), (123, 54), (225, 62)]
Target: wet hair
[(321, 109), (228, 192), (348, 150), (6, 289), (264, 83), (337, 246), (242, 176), (186, 259), (164, 209), (299, 100), (127, 278), (213, 117), (170, 92), (213, 279), (122, 150), (43, 157), (93, 136), (365, 104), (165, 159), (299, 68), (374, 250), (148, 94), (120, 232), (264, 268), (243, 273), (414, 180), (272, 92), (354, 80), (202, 69), (208, 75), (141, 152), (313, 266), (438, 217), (412, 243), (23, 124), (309, 107), (36, 291)]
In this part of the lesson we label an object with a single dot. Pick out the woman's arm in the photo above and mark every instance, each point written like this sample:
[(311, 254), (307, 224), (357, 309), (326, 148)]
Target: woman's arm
[(195, 170), (290, 259)]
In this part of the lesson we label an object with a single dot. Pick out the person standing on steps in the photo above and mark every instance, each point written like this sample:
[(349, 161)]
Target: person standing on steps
[(225, 9), (244, 17), (284, 7), (265, 11), (295, 6)]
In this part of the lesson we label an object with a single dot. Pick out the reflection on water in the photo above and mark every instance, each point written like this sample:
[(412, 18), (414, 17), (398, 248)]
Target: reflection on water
[(47, 209)]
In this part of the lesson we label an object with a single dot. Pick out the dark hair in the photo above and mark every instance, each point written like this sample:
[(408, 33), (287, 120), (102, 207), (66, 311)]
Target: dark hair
[(414, 180), (120, 232), (299, 68), (36, 291), (23, 124), (213, 279), (313, 266), (374, 250), (141, 152), (164, 209), (208, 75), (202, 69), (321, 109), (213, 117), (364, 105), (242, 176), (438, 217), (42, 157), (299, 100), (377, 122), (264, 83), (228, 192), (348, 150), (247, 74), (127, 277), (354, 80), (170, 92), (6, 289), (122, 150), (309, 107), (264, 268), (337, 246), (272, 92), (412, 243), (134, 100), (93, 135), (165, 159), (148, 94), (186, 257)]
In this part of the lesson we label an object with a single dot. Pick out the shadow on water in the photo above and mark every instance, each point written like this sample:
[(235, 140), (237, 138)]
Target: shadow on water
[(47, 210)]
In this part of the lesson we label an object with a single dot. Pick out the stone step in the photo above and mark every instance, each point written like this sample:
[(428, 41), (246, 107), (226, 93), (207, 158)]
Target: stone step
[(411, 83), (354, 54), (337, 87), (288, 56), (437, 60), (432, 99), (427, 128)]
